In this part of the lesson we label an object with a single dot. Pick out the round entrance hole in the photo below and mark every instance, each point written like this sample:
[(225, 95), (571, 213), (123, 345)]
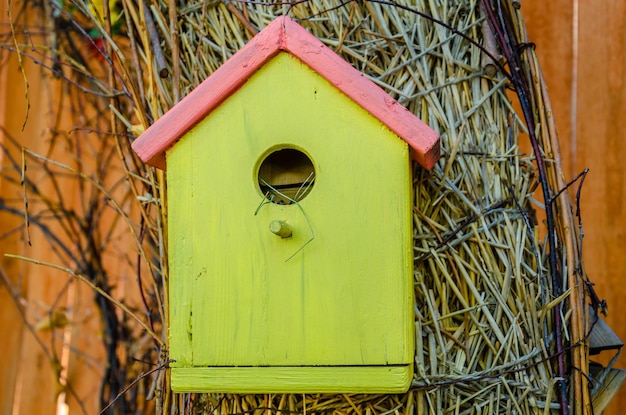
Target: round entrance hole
[(286, 176)]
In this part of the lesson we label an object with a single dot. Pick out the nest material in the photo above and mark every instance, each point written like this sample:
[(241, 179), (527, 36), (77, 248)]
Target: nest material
[(485, 299)]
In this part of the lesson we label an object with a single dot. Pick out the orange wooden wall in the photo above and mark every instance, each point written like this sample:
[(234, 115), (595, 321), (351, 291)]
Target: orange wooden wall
[(581, 46), (26, 369), (582, 49), (29, 376)]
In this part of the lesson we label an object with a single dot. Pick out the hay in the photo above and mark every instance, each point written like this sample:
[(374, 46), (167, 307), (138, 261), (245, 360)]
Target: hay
[(486, 303)]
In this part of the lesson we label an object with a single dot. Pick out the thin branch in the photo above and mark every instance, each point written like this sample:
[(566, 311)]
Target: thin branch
[(95, 288)]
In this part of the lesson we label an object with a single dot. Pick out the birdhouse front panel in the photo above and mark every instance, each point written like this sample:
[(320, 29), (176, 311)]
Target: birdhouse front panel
[(290, 243)]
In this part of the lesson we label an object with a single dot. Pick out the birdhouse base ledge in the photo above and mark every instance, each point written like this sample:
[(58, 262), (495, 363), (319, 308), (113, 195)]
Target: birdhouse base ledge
[(342, 379)]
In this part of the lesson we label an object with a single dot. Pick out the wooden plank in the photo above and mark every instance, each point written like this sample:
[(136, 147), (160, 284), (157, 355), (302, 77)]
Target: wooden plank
[(582, 49), (550, 28), (84, 369), (35, 384), (601, 105), (10, 319), (21, 356), (30, 381), (359, 379)]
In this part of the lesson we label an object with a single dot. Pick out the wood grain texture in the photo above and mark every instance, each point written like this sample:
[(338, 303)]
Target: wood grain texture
[(339, 290), (550, 28), (582, 49), (27, 383), (30, 380), (601, 106), (9, 315), (363, 379)]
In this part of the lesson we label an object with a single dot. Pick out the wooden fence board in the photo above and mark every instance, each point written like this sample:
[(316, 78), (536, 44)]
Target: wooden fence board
[(33, 383), (10, 321), (11, 119), (582, 49), (601, 108), (29, 383), (550, 28)]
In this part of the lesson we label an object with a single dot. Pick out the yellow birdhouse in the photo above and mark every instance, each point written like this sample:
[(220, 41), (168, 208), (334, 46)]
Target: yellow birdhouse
[(290, 223)]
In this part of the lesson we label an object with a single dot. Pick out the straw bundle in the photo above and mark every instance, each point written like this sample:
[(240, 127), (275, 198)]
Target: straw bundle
[(484, 298), (499, 303)]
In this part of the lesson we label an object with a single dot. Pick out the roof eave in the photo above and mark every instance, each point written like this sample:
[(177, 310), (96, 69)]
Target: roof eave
[(283, 34), (193, 108)]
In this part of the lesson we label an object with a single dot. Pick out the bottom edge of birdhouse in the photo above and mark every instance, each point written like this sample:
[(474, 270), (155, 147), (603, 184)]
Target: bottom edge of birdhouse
[(300, 379)]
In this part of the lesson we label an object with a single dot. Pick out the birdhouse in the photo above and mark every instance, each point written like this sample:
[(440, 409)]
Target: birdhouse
[(289, 223)]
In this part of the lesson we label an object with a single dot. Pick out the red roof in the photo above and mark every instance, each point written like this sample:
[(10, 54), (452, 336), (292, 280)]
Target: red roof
[(283, 34)]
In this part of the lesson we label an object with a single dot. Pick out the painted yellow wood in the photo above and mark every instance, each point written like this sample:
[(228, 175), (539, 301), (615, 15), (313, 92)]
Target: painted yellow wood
[(181, 217), (339, 291), (365, 379)]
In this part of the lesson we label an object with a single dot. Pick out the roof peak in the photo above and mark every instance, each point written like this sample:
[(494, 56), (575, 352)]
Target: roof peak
[(284, 34)]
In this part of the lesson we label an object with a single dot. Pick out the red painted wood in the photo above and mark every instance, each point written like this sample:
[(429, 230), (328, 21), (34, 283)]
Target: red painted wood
[(283, 34)]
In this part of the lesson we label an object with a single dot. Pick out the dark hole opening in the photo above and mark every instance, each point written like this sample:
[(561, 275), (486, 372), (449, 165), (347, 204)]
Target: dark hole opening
[(286, 176)]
